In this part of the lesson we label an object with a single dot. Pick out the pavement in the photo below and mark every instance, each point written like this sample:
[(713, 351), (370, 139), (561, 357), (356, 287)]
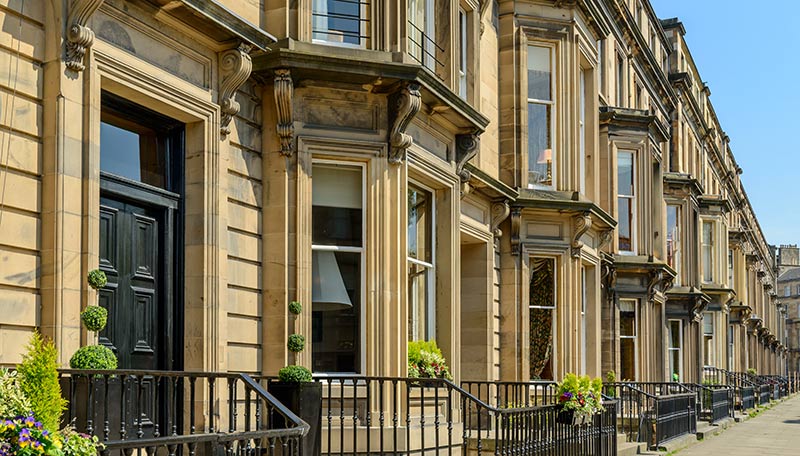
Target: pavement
[(774, 432)]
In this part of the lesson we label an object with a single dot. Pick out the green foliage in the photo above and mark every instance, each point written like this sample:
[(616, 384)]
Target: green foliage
[(25, 436), (94, 318), (97, 279), (295, 374), (295, 307), (611, 377), (93, 357), (425, 360), (752, 371), (581, 394), (13, 402), (296, 343), (39, 381), (76, 444)]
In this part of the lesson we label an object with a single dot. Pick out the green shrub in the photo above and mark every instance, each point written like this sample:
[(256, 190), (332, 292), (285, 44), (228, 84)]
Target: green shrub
[(295, 374), (296, 343), (752, 371), (295, 307), (76, 444), (13, 402), (38, 377), (581, 394), (425, 360), (611, 377), (97, 279), (94, 318), (93, 357)]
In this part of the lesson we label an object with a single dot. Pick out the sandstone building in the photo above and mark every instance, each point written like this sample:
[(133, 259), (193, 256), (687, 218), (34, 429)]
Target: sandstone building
[(541, 187)]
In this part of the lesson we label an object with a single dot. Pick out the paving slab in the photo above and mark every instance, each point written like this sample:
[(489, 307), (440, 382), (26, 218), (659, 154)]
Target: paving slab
[(774, 432)]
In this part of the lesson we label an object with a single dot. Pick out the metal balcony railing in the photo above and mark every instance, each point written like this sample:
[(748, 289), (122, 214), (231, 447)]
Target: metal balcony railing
[(343, 22), (423, 48), (179, 412)]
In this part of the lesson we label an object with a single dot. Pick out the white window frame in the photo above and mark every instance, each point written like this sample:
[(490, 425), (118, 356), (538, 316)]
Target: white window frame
[(708, 340), (584, 332), (582, 132), (634, 200), (463, 22), (362, 324), (427, 49), (676, 240), (635, 338), (679, 348), (429, 332), (731, 346), (553, 114), (553, 308), (707, 262)]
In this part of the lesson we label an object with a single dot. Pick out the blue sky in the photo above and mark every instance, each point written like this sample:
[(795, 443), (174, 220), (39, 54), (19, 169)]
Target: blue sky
[(745, 55)]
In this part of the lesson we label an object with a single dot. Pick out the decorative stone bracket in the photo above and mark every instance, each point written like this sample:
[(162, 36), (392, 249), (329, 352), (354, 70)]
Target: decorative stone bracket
[(500, 211), (284, 91), (516, 223), (235, 67), (658, 279), (581, 223), (403, 106), (79, 36), (609, 280), (466, 149)]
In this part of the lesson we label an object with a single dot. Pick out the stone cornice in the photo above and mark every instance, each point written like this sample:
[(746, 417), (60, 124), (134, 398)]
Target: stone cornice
[(635, 119)]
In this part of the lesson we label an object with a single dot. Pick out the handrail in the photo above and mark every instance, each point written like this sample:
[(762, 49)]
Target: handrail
[(284, 411)]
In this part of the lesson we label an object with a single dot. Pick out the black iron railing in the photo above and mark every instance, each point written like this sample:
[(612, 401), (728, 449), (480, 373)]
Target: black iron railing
[(747, 397), (423, 48), (715, 402), (392, 415), (342, 22), (744, 388), (179, 411), (764, 393)]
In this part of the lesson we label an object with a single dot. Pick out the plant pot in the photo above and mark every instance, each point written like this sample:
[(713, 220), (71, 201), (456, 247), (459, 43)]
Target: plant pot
[(305, 400), (569, 417)]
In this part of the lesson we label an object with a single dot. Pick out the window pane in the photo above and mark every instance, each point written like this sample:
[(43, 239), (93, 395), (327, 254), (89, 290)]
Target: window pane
[(419, 315), (627, 324), (674, 362), (539, 73), (625, 173), (708, 325), (337, 200), (673, 237), (627, 352), (624, 224), (336, 344), (337, 21), (132, 151), (420, 229), (542, 303), (540, 152), (675, 334)]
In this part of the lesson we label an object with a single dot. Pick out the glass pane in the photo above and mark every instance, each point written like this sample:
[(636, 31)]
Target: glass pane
[(627, 354), (337, 21), (674, 363), (673, 236), (132, 151), (420, 224), (627, 324), (542, 294), (624, 224), (539, 73), (337, 199), (419, 309), (625, 173), (708, 324), (675, 334), (540, 152), (335, 331)]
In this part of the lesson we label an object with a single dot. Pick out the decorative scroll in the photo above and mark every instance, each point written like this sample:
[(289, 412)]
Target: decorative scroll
[(404, 105), (466, 149), (500, 211), (79, 36), (235, 67), (284, 91), (583, 222)]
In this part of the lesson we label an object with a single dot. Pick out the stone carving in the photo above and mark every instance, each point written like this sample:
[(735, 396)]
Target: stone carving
[(605, 238), (609, 280), (582, 224), (516, 221), (284, 91), (466, 148), (235, 66), (403, 106), (79, 36), (500, 211)]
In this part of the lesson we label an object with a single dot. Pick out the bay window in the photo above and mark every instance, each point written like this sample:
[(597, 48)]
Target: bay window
[(675, 349), (422, 32), (421, 279), (462, 53), (337, 254), (342, 22), (626, 200), (582, 132), (541, 104), (542, 307), (674, 240), (707, 251), (628, 339), (708, 338)]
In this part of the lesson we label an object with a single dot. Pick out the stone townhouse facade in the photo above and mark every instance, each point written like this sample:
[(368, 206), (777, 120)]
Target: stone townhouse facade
[(789, 295), (541, 187)]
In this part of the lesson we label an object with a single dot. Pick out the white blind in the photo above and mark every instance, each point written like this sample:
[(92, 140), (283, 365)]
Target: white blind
[(336, 186)]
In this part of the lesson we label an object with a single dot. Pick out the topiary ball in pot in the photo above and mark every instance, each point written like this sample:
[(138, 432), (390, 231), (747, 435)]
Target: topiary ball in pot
[(97, 279), (295, 374), (296, 343), (97, 357), (295, 308), (94, 318)]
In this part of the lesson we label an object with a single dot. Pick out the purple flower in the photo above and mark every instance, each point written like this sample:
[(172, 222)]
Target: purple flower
[(30, 421)]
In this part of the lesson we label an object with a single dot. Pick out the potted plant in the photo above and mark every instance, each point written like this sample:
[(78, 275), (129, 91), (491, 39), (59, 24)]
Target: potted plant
[(297, 390), (94, 318), (579, 398), (425, 360)]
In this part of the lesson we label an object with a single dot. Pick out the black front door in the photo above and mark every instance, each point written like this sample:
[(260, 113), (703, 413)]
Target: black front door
[(140, 234)]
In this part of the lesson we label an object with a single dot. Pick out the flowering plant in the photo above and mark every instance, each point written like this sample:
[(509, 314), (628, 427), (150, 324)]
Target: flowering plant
[(78, 444), (581, 394), (24, 436), (425, 360)]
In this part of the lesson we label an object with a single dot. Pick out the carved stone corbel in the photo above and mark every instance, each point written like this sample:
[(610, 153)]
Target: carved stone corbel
[(235, 67), (79, 36), (500, 211), (656, 277), (582, 223), (466, 148), (284, 91), (403, 106), (605, 238), (516, 222), (609, 280)]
